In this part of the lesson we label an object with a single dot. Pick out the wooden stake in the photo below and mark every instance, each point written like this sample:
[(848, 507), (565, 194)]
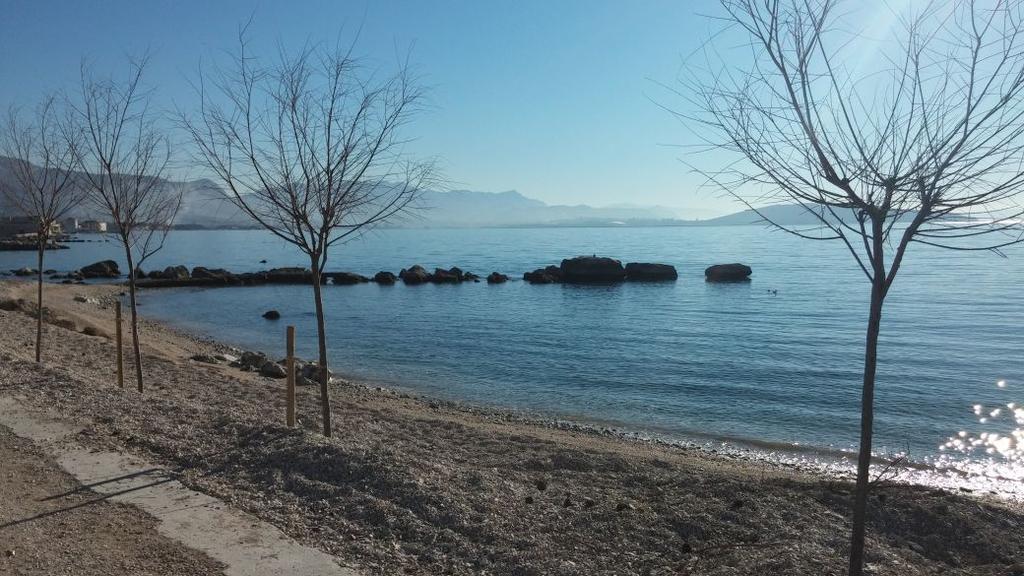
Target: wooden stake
[(290, 367), (120, 353)]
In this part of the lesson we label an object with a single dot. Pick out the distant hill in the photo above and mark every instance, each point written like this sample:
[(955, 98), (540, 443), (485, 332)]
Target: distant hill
[(205, 204), (469, 209)]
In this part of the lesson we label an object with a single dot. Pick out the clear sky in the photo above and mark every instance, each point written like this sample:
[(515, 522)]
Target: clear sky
[(550, 98)]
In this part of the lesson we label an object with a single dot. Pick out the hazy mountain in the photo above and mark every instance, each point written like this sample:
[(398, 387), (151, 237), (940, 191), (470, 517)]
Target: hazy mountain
[(205, 204), (465, 208)]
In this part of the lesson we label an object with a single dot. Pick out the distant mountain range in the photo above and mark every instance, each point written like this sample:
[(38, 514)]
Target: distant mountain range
[(206, 205)]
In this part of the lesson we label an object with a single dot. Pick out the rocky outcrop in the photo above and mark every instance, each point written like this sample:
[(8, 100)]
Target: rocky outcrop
[(102, 269), (548, 275), (385, 278), (273, 370), (647, 272), (727, 273), (215, 275), (346, 278), (170, 273), (592, 269), (496, 278), (292, 275), (442, 276), (414, 275), (272, 315), (25, 272)]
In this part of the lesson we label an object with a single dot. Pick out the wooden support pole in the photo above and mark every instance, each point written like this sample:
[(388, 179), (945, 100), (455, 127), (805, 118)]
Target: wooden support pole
[(290, 367), (120, 353)]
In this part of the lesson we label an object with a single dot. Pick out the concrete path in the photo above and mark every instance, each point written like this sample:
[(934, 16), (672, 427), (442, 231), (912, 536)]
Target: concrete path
[(247, 545)]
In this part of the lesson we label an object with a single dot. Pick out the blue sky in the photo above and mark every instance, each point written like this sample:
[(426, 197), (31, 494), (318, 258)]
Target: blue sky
[(553, 99)]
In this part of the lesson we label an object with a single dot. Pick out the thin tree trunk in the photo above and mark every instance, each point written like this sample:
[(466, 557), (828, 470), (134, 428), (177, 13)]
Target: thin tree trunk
[(321, 333), (135, 316), (39, 300), (867, 409)]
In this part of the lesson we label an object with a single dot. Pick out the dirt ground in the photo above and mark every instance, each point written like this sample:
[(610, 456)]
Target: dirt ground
[(418, 486), (51, 525)]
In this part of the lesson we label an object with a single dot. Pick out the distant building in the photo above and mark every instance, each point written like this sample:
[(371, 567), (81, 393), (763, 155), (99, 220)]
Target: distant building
[(92, 226), (70, 225), (13, 226)]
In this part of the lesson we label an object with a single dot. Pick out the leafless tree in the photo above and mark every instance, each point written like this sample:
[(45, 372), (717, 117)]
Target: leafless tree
[(42, 161), (123, 159), (311, 148), (926, 147)]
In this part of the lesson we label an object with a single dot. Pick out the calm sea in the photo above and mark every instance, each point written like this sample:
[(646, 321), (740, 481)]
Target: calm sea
[(773, 363)]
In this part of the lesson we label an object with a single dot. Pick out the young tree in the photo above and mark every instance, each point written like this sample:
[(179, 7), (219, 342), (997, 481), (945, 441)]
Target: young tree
[(123, 159), (926, 147), (42, 161), (310, 148)]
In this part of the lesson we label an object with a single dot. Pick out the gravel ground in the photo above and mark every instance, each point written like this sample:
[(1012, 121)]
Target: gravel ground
[(50, 526), (415, 486)]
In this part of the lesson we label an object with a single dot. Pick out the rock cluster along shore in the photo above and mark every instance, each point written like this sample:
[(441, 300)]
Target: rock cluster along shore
[(306, 373), (599, 269), (27, 246), (579, 270)]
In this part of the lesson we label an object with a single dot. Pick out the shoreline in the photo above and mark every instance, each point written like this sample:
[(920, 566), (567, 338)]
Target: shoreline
[(425, 487), (827, 463)]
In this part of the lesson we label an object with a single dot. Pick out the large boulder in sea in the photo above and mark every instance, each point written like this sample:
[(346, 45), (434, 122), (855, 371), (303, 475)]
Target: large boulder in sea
[(496, 278), (25, 272), (272, 315), (102, 269), (727, 273), (386, 278), (171, 273), (548, 275), (294, 275), (647, 272), (442, 276), (414, 275), (347, 278), (587, 269), (215, 274)]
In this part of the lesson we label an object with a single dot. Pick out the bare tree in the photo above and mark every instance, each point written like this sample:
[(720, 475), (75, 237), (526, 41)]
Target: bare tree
[(123, 159), (926, 147), (42, 161), (310, 148)]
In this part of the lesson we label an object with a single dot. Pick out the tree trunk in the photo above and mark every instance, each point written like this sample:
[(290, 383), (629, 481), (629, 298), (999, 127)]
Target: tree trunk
[(867, 416), (135, 316), (39, 300), (321, 333)]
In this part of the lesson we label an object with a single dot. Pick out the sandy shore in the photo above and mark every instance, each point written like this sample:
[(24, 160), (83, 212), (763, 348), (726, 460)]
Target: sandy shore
[(415, 486)]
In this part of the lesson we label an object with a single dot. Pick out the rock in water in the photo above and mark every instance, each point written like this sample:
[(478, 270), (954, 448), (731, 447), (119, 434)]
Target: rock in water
[(171, 273), (643, 271), (272, 315), (348, 278), (414, 275), (102, 269), (25, 272), (727, 273), (548, 275), (273, 370), (383, 277), (219, 274), (586, 269), (496, 278), (442, 276)]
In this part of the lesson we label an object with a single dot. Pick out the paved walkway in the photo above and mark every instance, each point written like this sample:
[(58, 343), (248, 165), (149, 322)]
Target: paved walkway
[(245, 544)]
